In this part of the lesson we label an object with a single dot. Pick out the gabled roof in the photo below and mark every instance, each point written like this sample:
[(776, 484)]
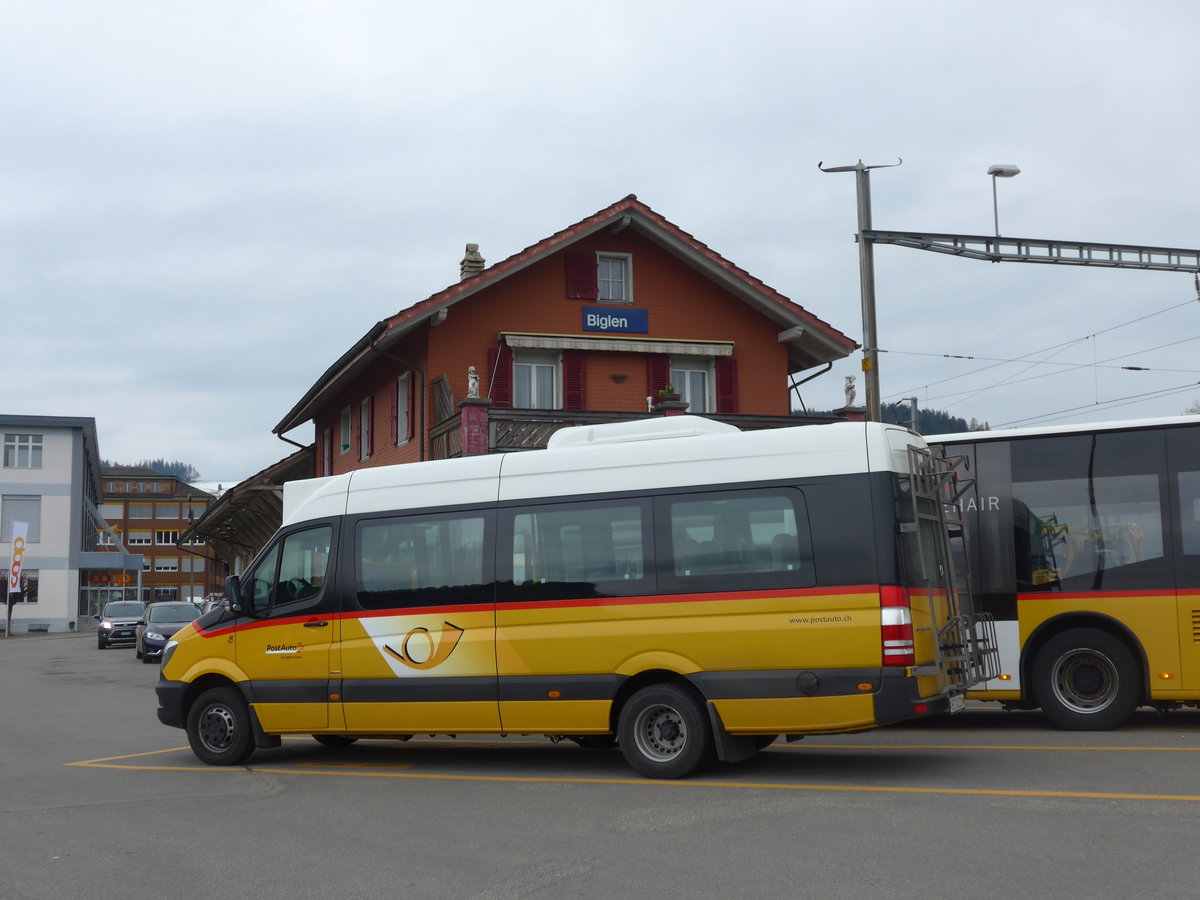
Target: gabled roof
[(810, 340)]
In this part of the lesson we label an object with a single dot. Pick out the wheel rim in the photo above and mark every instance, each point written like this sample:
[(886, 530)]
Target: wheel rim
[(660, 733), (218, 728), (1085, 680)]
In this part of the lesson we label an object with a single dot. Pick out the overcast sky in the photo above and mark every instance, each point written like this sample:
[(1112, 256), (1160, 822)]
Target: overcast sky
[(203, 205)]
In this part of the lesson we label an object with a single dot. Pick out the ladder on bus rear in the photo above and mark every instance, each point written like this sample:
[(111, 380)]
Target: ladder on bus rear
[(967, 650)]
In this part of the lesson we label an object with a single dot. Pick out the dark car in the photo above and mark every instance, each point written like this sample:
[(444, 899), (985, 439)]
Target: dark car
[(159, 624), (118, 623)]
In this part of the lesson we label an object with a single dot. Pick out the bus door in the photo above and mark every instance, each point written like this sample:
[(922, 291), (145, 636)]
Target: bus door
[(1183, 448), (286, 635), (418, 632)]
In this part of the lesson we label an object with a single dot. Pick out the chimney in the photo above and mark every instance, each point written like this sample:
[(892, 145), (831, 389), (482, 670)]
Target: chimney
[(472, 263)]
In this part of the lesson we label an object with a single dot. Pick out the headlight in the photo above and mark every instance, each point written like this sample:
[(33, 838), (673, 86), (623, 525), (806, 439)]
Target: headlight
[(168, 650), (106, 625), (154, 635)]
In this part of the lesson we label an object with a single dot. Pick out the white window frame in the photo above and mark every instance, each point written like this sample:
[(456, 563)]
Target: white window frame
[(604, 284), (525, 366), (166, 564), (18, 445), (682, 368), (136, 539), (403, 413), (25, 508), (347, 434), (364, 429), (171, 541)]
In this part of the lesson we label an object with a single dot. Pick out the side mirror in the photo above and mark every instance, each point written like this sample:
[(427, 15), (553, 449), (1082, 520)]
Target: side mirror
[(233, 594)]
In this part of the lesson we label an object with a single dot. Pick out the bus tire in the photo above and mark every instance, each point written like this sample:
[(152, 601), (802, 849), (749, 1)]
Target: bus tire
[(664, 732), (1086, 680), (218, 728)]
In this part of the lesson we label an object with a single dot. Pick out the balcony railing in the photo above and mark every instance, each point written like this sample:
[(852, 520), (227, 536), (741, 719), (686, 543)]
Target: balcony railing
[(514, 430)]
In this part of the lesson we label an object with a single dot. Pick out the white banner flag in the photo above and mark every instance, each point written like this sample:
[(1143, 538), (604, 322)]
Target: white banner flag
[(20, 530)]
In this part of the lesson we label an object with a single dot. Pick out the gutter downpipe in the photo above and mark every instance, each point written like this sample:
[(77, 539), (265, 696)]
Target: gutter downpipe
[(795, 385), (415, 368)]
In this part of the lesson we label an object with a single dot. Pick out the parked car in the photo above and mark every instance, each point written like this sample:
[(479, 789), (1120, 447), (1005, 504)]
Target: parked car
[(157, 626), (118, 623)]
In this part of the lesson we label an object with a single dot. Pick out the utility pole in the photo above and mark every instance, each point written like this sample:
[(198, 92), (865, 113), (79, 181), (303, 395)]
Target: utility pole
[(866, 277)]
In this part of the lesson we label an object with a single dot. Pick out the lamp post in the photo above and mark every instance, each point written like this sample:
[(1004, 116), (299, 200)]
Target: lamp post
[(999, 171)]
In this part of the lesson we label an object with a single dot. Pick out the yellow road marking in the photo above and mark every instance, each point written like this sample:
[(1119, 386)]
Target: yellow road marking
[(368, 770)]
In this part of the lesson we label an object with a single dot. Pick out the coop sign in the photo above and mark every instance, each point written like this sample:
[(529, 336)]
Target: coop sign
[(621, 320), (20, 532)]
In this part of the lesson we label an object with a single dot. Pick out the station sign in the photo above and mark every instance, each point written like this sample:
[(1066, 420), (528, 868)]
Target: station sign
[(620, 319)]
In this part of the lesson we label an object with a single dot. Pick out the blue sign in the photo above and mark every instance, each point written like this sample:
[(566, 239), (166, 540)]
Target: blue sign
[(618, 319)]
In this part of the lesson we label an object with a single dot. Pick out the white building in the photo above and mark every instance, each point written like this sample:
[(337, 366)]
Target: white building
[(50, 479)]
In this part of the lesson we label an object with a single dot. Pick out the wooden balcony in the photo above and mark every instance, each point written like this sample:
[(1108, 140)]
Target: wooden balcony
[(513, 430)]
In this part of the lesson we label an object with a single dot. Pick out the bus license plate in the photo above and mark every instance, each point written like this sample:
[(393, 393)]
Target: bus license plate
[(958, 703)]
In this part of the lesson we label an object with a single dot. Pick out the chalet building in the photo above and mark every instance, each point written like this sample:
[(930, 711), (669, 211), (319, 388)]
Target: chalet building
[(148, 512), (620, 316)]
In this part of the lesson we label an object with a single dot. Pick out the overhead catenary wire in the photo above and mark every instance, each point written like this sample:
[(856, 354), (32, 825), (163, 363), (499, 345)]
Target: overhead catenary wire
[(996, 363)]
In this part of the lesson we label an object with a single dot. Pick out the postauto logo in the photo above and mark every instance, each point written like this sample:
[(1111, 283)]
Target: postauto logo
[(14, 572)]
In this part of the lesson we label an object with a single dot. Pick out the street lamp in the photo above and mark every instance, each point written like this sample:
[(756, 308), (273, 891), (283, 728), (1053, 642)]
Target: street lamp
[(1000, 171)]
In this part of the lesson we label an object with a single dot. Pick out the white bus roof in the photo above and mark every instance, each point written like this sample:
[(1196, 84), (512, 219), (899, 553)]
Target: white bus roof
[(647, 454), (1047, 430)]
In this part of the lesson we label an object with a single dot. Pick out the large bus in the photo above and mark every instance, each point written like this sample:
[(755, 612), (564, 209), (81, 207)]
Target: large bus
[(1085, 547), (672, 587)]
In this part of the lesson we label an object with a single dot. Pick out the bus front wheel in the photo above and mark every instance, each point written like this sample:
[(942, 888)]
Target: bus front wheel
[(218, 728), (664, 732), (1086, 680)]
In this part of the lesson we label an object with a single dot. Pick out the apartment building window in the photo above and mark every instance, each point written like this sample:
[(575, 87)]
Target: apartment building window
[(146, 560), (166, 538), (191, 564), (166, 510), (112, 512), (165, 594), (327, 451), (346, 429), (29, 588), (23, 451), (138, 539), (20, 508), (141, 511), (166, 564)]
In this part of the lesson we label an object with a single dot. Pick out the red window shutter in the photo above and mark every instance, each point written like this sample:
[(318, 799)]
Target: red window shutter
[(727, 392), (500, 384), (370, 425), (658, 372), (410, 427), (574, 380), (581, 276), (394, 412)]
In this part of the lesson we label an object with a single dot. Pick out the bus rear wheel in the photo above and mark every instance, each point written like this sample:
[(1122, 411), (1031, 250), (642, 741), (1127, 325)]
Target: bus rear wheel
[(1086, 680), (664, 732)]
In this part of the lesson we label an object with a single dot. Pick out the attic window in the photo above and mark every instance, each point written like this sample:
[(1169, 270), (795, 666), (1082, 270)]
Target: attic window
[(613, 271), (602, 276)]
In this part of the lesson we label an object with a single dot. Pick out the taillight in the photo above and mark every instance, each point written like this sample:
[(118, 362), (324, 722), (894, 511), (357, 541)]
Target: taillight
[(897, 636)]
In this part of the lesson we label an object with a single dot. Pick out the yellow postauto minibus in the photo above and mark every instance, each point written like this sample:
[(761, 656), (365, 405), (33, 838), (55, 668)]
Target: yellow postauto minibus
[(673, 587)]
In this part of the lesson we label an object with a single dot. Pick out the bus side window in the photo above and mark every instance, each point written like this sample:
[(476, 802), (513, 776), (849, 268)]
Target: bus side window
[(403, 561), (294, 569), (741, 535)]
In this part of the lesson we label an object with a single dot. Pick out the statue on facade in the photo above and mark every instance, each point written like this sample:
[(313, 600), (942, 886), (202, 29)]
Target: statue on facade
[(850, 391), (472, 382)]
